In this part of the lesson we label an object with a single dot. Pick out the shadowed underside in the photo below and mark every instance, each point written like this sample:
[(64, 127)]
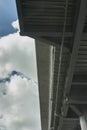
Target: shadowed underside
[(63, 24)]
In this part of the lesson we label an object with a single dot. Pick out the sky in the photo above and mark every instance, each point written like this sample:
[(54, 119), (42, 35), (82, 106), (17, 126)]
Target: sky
[(19, 100)]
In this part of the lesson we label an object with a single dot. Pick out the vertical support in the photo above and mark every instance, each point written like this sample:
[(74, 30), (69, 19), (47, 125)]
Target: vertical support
[(76, 44)]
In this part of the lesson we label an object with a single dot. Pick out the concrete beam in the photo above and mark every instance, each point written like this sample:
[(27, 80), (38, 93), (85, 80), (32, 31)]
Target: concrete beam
[(43, 52)]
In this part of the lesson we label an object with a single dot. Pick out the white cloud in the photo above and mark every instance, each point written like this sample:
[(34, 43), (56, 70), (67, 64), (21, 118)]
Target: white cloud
[(15, 24), (19, 53), (19, 108)]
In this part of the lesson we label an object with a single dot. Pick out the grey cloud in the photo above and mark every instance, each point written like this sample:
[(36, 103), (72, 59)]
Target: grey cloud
[(14, 72)]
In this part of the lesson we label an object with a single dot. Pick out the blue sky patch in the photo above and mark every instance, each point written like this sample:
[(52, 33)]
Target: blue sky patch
[(8, 14)]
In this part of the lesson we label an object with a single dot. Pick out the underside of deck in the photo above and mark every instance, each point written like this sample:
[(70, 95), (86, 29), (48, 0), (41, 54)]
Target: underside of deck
[(63, 25)]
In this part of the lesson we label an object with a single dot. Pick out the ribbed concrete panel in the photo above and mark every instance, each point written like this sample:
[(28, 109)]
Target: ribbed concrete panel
[(44, 19)]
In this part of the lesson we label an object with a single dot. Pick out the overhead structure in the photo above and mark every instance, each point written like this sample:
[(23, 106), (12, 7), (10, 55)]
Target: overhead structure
[(63, 24)]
